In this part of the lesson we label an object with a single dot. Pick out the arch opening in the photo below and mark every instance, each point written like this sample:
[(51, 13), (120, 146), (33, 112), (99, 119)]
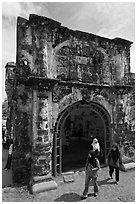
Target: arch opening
[(73, 131)]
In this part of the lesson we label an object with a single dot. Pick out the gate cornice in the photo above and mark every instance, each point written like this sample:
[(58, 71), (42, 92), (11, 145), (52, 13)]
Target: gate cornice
[(43, 82)]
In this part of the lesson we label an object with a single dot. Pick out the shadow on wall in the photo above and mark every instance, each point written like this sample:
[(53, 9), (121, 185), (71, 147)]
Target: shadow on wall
[(69, 197)]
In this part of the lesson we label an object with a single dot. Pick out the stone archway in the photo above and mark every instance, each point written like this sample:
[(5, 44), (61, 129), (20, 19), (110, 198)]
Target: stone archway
[(65, 126)]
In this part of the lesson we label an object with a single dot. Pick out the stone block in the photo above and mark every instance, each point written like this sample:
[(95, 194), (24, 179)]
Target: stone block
[(43, 145), (44, 186), (126, 159), (41, 160), (40, 139), (40, 178), (68, 178), (39, 152), (42, 132), (68, 173), (129, 166), (41, 169)]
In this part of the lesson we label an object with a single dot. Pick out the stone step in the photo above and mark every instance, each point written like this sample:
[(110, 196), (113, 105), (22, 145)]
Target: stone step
[(40, 178), (68, 173), (129, 166), (44, 186)]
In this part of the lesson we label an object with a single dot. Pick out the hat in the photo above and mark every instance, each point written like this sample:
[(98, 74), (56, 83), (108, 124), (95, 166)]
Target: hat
[(95, 140)]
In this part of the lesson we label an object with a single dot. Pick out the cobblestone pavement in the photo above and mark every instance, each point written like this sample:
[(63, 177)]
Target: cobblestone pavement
[(71, 192)]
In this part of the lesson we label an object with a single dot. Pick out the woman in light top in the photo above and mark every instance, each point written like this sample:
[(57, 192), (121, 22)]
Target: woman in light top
[(95, 145)]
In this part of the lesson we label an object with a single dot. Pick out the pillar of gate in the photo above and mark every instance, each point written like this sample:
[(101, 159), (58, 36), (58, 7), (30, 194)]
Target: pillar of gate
[(41, 167)]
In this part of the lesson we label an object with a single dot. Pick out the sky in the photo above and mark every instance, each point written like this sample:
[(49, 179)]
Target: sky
[(107, 19)]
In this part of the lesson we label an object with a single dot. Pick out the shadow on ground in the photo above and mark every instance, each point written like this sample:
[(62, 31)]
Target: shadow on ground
[(90, 194), (69, 197), (104, 182)]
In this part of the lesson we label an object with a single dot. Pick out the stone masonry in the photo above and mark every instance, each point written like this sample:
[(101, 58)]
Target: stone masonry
[(55, 68)]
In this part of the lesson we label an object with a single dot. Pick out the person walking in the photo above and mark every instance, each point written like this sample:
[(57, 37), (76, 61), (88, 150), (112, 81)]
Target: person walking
[(3, 134), (114, 161), (91, 170), (8, 164), (96, 146)]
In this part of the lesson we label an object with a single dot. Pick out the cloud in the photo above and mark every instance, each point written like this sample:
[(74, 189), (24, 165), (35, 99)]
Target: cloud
[(14, 9), (11, 9), (34, 8), (104, 18)]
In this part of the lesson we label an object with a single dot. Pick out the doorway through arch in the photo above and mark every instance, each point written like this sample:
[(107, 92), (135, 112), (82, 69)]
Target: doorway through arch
[(75, 128)]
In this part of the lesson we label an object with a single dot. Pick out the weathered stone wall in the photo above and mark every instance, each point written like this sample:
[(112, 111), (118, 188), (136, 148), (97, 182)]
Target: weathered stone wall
[(125, 122), (22, 134), (57, 67), (52, 51), (90, 59)]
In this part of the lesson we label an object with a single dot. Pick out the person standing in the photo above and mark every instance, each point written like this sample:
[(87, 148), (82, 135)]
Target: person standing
[(91, 170), (8, 164), (96, 146), (114, 160), (3, 134)]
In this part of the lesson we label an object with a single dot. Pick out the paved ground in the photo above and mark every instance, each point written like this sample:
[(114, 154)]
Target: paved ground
[(71, 192)]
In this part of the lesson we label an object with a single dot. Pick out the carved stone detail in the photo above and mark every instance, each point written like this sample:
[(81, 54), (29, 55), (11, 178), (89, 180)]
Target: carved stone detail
[(59, 92)]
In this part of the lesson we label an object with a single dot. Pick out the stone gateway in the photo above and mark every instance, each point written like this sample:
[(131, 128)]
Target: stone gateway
[(67, 86)]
